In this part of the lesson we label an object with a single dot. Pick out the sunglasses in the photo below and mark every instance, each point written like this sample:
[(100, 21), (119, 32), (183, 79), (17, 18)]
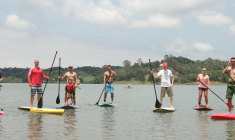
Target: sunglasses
[(232, 61)]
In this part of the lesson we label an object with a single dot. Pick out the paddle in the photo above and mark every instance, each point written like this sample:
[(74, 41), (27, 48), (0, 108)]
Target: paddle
[(215, 94), (157, 104), (40, 100), (58, 97), (101, 95)]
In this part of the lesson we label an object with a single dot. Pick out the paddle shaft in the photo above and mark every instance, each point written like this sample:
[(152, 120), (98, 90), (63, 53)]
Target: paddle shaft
[(58, 97), (40, 101), (211, 91), (157, 103), (230, 77), (153, 79)]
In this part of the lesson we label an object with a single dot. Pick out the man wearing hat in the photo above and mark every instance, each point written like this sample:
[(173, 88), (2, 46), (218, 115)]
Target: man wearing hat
[(167, 81), (73, 76)]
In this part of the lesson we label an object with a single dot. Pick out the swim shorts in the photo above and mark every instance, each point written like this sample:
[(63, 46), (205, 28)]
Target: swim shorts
[(230, 90), (109, 88), (35, 89), (167, 90)]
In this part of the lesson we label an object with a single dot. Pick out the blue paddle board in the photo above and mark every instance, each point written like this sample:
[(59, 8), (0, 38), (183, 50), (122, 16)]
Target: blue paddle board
[(107, 105), (69, 107)]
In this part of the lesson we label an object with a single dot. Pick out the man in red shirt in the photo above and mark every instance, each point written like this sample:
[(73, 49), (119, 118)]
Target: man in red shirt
[(35, 75)]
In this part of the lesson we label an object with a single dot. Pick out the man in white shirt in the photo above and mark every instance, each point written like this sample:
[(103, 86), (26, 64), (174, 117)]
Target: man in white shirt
[(167, 81)]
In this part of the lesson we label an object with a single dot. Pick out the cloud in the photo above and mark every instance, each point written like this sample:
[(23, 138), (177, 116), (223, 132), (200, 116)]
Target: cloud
[(203, 47), (213, 18), (134, 13), (178, 46), (14, 21), (232, 29), (157, 21)]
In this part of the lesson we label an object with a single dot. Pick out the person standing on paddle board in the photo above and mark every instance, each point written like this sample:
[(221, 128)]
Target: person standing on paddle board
[(35, 76), (230, 70), (69, 90), (167, 81), (108, 83), (204, 82), (71, 75)]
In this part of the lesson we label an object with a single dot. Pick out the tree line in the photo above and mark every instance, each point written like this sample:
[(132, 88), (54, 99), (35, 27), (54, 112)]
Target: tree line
[(184, 69)]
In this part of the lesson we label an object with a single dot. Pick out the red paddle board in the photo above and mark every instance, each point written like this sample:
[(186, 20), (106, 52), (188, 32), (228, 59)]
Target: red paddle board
[(202, 108), (1, 112), (223, 116)]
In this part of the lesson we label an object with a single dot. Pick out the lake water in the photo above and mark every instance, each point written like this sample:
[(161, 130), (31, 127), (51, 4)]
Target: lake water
[(132, 118)]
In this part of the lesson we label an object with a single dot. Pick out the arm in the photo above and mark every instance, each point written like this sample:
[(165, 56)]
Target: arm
[(29, 77), (198, 78), (227, 69), (62, 78), (104, 79), (209, 84), (44, 76), (172, 80), (154, 75), (1, 79), (114, 73), (76, 80)]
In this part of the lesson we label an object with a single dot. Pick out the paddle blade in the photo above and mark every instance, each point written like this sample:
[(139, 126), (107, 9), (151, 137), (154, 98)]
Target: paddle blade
[(40, 103), (58, 100), (227, 104), (157, 104)]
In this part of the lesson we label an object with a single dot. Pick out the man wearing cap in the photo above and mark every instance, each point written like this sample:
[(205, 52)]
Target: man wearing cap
[(204, 83), (166, 83), (71, 75)]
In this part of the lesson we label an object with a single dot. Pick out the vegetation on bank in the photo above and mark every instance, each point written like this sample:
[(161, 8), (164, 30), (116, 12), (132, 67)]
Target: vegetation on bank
[(185, 70)]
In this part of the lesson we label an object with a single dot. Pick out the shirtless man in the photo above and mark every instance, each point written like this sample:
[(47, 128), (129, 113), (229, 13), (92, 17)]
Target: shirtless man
[(35, 76), (230, 69), (71, 75), (108, 82)]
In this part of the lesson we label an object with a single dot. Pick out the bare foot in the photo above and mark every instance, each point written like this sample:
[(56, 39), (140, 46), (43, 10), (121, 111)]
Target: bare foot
[(112, 102), (229, 112)]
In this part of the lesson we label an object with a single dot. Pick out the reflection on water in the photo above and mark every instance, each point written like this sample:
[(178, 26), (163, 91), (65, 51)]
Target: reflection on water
[(108, 122), (230, 130), (203, 124), (70, 122), (35, 126)]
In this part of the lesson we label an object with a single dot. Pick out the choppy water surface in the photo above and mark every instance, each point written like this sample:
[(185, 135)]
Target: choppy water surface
[(132, 118)]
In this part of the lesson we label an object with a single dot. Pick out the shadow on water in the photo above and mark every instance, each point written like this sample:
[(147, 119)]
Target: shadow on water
[(35, 126), (70, 123), (230, 130), (108, 122)]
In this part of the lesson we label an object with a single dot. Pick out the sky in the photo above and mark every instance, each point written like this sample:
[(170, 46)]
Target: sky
[(101, 32)]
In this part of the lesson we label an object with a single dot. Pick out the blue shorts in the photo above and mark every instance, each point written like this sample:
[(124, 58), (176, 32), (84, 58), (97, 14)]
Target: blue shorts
[(203, 89), (109, 88)]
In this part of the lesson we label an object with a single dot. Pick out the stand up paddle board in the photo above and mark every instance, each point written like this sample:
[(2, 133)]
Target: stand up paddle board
[(107, 105), (42, 110), (164, 110), (68, 106), (1, 112), (202, 108), (223, 116)]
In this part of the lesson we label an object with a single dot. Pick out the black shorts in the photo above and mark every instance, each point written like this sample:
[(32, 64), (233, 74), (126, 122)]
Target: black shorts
[(203, 89)]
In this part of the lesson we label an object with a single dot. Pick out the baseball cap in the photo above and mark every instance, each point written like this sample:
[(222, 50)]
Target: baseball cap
[(164, 64)]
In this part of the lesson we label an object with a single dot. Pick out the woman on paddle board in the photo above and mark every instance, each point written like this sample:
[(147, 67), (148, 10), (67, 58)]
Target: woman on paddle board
[(108, 83), (35, 76), (230, 71), (167, 81), (204, 83)]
